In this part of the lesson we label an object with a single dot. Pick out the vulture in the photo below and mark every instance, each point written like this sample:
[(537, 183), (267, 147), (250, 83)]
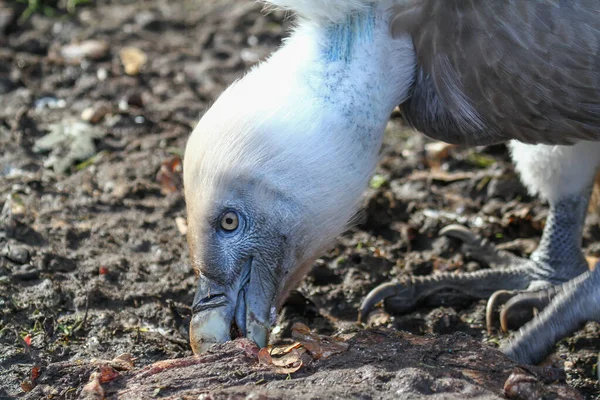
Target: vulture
[(276, 168)]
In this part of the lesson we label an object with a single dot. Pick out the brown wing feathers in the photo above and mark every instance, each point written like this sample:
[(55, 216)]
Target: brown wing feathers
[(508, 69)]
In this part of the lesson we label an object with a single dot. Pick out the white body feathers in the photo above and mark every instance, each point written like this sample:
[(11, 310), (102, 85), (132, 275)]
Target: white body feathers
[(556, 172)]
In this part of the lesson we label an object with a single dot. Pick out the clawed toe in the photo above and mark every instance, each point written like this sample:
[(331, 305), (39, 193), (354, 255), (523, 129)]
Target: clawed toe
[(522, 308), (398, 298), (459, 232), (479, 248), (404, 296), (494, 306), (513, 309)]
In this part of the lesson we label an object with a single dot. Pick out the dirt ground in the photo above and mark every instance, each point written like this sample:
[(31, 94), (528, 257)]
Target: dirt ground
[(95, 110)]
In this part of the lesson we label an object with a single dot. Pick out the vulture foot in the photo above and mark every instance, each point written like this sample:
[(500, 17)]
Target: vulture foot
[(518, 289), (512, 307)]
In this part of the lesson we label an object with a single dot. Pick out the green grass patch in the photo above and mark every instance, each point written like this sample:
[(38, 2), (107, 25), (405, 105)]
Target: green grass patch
[(49, 8)]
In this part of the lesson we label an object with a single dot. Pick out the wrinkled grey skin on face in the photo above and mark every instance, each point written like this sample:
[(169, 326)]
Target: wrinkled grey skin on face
[(240, 271)]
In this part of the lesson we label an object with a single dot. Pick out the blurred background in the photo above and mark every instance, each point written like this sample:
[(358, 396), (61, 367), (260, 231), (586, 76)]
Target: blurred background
[(97, 99)]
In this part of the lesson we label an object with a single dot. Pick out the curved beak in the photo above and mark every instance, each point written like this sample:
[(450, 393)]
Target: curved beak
[(224, 312)]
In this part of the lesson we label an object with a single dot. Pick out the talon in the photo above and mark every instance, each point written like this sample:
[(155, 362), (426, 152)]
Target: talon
[(479, 248), (492, 309), (391, 294), (375, 296), (459, 232), (522, 308)]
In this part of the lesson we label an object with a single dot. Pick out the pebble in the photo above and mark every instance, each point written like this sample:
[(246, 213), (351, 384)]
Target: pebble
[(25, 272), (133, 59), (181, 225), (7, 15), (135, 100), (94, 115), (17, 254), (436, 152), (506, 187), (90, 49), (102, 74), (49, 102), (61, 264), (6, 85)]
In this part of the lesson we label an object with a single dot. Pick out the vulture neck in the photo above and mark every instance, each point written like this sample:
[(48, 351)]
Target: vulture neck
[(348, 74), (328, 94)]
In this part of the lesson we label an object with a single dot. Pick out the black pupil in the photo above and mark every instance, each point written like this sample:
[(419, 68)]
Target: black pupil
[(229, 221)]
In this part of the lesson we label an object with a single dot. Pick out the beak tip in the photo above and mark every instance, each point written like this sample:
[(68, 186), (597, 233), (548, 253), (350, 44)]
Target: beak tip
[(207, 329), (258, 332)]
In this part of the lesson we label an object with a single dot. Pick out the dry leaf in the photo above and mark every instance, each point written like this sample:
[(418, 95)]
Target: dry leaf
[(474, 375), (124, 362), (318, 346), (279, 351), (35, 373), (163, 365), (289, 362), (264, 356), (169, 175), (107, 373), (440, 176), (26, 386), (93, 389)]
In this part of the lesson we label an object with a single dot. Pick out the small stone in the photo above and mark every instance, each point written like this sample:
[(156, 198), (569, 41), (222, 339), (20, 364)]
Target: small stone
[(181, 225), (148, 20), (472, 266), (56, 263), (7, 16), (102, 74), (94, 115), (135, 100), (442, 321), (506, 187), (90, 49), (49, 102), (17, 254), (133, 60), (86, 114), (436, 152), (6, 85), (25, 272)]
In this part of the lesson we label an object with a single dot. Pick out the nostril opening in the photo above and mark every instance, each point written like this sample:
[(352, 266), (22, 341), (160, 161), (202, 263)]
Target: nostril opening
[(234, 331), (240, 313), (208, 302)]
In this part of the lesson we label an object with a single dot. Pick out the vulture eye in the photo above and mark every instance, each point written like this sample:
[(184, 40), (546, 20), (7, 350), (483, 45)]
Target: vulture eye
[(230, 221)]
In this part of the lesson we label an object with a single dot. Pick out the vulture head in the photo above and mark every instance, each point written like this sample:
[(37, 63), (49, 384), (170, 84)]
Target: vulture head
[(275, 170)]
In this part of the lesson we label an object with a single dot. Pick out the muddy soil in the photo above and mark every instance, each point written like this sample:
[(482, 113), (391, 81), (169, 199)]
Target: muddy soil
[(95, 110)]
